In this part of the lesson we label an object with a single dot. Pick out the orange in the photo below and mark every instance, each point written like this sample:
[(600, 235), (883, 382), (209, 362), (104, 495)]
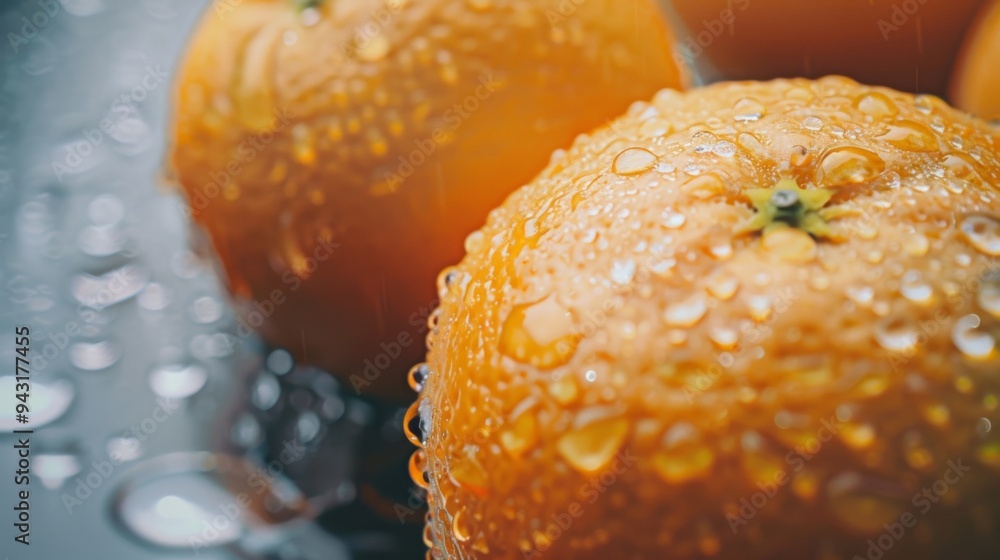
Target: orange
[(976, 85), (337, 156), (751, 321), (910, 45)]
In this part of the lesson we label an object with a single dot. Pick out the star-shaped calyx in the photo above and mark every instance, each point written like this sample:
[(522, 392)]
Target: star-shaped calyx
[(788, 205)]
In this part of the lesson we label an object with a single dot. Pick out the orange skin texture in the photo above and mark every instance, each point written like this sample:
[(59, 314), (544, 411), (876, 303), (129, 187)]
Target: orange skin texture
[(789, 38), (976, 86), (619, 350), (488, 89)]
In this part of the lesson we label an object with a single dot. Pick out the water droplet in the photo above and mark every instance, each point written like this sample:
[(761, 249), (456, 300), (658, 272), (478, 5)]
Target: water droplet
[(688, 462), (123, 449), (170, 500), (760, 307), (177, 381), (970, 341), (877, 105), (812, 123), (724, 149), (983, 427), (56, 462), (704, 186), (460, 527), (206, 310), (564, 390), (280, 362), (913, 288), (722, 285), (897, 336), (916, 244), (591, 448), (790, 244), (911, 136), (673, 220), (308, 426), (265, 392), (849, 165), (110, 288), (686, 313), (413, 425), (49, 401), (634, 161), (982, 232), (520, 435), (94, 356), (540, 334), (417, 376), (246, 431)]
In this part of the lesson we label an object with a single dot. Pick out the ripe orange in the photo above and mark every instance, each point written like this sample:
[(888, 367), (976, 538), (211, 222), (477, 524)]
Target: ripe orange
[(338, 156), (753, 321), (910, 45), (976, 85)]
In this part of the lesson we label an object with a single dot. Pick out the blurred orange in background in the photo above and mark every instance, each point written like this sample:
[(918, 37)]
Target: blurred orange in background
[(976, 87), (338, 156), (909, 45)]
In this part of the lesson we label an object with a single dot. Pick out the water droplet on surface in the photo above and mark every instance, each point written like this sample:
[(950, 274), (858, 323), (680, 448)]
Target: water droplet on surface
[(94, 356), (417, 376), (265, 392), (49, 401), (790, 244), (673, 220), (897, 336), (622, 272), (540, 334), (110, 288), (177, 381), (877, 105), (591, 448), (724, 149), (972, 342), (154, 297), (983, 427), (634, 161), (686, 313), (812, 123), (849, 165), (520, 435), (206, 310), (279, 362), (168, 501), (56, 462), (911, 136), (982, 232), (123, 449), (914, 288)]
